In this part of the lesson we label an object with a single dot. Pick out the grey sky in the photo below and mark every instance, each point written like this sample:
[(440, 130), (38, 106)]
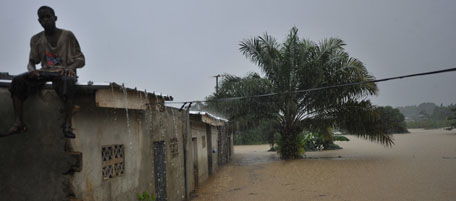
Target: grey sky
[(175, 47)]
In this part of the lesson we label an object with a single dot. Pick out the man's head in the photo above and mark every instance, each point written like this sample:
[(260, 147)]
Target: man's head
[(46, 17)]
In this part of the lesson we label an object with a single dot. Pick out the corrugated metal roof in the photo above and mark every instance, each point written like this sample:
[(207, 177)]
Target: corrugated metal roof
[(208, 114)]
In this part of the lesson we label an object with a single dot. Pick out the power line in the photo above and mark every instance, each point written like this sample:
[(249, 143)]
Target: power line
[(325, 87)]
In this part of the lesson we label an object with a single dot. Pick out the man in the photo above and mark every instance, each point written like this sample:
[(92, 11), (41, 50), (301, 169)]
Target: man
[(59, 53)]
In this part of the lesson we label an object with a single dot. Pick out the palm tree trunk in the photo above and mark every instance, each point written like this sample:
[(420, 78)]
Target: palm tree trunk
[(289, 148)]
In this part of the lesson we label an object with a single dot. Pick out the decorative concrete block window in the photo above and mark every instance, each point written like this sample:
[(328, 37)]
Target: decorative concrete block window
[(173, 146), (113, 160), (203, 141)]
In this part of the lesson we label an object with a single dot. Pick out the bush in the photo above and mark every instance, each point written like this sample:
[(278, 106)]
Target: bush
[(145, 196), (315, 142)]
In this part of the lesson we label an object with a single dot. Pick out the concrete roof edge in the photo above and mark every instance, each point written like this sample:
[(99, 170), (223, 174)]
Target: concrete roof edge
[(99, 85)]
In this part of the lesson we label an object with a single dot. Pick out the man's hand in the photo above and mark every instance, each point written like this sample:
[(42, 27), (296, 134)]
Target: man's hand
[(68, 72), (34, 73), (32, 70)]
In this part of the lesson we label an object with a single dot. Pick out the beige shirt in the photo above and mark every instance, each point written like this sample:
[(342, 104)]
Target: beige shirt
[(52, 59)]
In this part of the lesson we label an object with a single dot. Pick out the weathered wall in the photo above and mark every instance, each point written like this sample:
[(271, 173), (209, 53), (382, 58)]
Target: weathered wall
[(230, 130), (137, 130), (198, 130), (215, 139), (32, 164), (188, 150), (191, 160), (224, 145), (171, 124)]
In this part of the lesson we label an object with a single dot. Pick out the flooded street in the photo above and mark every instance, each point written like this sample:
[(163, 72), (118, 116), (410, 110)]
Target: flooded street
[(420, 166)]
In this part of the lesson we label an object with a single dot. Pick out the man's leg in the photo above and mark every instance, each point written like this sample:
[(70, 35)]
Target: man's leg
[(20, 89), (17, 105), (65, 88), (69, 105)]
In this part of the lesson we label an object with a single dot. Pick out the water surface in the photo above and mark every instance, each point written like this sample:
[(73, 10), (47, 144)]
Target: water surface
[(420, 166)]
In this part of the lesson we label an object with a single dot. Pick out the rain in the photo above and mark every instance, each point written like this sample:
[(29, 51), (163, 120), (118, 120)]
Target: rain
[(312, 100)]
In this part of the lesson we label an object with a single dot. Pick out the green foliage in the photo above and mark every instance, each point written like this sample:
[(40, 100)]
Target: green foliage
[(304, 139), (145, 196), (340, 138), (298, 64), (324, 141), (259, 134), (392, 120), (452, 119), (253, 127), (314, 142)]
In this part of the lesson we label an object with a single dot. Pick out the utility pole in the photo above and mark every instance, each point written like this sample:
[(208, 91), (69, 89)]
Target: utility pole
[(216, 89), (216, 82)]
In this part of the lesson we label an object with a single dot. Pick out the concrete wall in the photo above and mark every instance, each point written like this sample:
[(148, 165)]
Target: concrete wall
[(198, 131), (32, 164), (215, 139), (225, 145), (164, 126), (137, 130)]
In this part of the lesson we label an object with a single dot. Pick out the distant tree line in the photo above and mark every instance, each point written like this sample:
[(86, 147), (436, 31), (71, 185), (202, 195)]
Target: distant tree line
[(428, 115)]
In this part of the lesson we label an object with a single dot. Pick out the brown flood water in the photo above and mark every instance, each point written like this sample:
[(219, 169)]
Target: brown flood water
[(420, 166)]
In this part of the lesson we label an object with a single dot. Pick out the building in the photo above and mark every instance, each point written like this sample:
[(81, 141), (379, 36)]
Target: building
[(211, 146), (127, 142)]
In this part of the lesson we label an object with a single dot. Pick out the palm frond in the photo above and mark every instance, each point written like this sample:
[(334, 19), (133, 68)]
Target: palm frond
[(329, 45), (362, 120)]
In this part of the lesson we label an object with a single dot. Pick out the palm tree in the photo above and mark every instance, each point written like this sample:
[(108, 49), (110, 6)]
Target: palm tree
[(298, 65)]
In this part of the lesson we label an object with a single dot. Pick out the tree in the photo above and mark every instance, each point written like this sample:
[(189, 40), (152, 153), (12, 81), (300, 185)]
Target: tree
[(254, 127), (453, 118), (298, 65), (392, 120)]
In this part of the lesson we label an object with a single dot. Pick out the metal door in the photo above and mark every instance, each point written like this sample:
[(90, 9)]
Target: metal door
[(160, 170)]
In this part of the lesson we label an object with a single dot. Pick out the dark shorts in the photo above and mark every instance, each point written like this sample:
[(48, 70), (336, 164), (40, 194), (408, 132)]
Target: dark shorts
[(24, 85)]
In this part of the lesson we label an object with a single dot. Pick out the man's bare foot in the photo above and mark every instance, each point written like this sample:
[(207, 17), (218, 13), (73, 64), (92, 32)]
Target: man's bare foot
[(17, 128), (68, 132)]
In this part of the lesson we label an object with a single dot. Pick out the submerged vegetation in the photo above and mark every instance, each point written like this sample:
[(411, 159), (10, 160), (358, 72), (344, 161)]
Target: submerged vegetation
[(290, 69)]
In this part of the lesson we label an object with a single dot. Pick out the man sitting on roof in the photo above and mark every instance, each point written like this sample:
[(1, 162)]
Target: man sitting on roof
[(59, 53)]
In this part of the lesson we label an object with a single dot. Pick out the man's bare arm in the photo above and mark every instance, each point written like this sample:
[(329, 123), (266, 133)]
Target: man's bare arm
[(78, 61), (32, 69), (71, 69)]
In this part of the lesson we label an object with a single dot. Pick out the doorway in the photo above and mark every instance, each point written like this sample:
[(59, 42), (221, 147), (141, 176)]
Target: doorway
[(195, 162), (160, 170)]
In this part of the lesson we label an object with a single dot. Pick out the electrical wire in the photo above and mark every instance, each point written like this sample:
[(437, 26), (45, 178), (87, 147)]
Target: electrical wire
[(321, 88)]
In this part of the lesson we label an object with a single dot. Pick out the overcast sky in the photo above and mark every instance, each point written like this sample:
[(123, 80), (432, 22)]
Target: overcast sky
[(175, 47)]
